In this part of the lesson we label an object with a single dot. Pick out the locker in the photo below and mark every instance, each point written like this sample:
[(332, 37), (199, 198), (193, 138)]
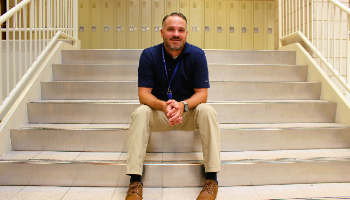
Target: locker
[(157, 18), (234, 31), (209, 24), (146, 24), (108, 24), (196, 24), (247, 25), (220, 24), (259, 25), (185, 9), (269, 30), (121, 29), (171, 6), (96, 32), (134, 24), (84, 23)]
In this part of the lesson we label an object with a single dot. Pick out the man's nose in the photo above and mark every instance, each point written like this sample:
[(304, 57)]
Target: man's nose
[(176, 33)]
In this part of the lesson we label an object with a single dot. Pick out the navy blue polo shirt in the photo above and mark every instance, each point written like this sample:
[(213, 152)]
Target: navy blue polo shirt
[(191, 73)]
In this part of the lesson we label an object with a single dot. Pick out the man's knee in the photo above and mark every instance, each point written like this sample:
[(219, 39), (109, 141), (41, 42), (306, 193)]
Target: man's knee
[(142, 110), (205, 109)]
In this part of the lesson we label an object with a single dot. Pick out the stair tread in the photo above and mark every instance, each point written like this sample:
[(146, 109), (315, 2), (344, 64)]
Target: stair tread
[(209, 101), (248, 157), (134, 81), (222, 126), (290, 191)]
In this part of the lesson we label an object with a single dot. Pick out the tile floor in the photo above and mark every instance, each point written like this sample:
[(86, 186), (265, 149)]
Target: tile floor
[(297, 191)]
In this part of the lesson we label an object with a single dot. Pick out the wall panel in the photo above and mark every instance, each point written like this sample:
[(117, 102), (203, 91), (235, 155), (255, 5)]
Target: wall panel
[(235, 26), (146, 24), (108, 24), (121, 24), (209, 24), (96, 27), (158, 10)]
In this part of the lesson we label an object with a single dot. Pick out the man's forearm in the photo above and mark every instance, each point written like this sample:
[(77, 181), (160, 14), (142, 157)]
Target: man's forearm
[(199, 97), (147, 98)]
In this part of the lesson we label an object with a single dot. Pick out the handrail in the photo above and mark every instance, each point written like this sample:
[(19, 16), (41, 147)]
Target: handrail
[(329, 46), (13, 10), (341, 6), (31, 71), (31, 29), (323, 59)]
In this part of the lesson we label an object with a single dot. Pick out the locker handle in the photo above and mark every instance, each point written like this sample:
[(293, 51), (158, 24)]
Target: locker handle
[(270, 30), (219, 29), (194, 28), (232, 29), (156, 28), (256, 30)]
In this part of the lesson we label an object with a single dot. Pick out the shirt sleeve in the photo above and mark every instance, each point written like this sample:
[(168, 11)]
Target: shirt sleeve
[(145, 71), (201, 73)]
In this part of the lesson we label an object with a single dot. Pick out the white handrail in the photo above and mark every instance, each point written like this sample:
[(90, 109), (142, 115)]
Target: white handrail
[(13, 11), (15, 92), (315, 32), (31, 29), (341, 6)]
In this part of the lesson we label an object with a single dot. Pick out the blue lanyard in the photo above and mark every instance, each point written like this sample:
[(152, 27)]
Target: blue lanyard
[(166, 72)]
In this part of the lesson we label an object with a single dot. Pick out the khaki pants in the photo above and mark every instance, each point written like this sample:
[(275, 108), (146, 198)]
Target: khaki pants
[(145, 119)]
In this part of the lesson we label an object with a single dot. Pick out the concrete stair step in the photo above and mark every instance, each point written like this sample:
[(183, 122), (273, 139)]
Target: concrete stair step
[(258, 192), (131, 56), (107, 112), (234, 137), (233, 72), (220, 90), (174, 169)]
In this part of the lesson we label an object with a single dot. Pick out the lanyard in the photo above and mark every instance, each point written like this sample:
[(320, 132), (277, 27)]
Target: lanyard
[(170, 95)]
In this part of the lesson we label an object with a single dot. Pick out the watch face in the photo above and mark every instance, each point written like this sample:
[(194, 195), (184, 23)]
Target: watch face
[(186, 107)]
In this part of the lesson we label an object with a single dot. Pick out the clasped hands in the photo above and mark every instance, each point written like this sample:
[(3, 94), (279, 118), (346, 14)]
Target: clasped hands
[(173, 111)]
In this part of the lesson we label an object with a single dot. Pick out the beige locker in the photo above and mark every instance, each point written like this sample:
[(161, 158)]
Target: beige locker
[(185, 10), (235, 27), (121, 28), (96, 27), (158, 12), (84, 23), (259, 25), (134, 24), (146, 23), (196, 24), (209, 24), (172, 6), (269, 30), (108, 24), (221, 24), (247, 24)]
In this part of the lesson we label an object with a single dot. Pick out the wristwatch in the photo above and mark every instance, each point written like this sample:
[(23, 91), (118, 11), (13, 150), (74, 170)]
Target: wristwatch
[(186, 108)]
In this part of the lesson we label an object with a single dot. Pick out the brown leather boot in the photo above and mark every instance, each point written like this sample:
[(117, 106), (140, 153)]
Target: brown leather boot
[(209, 191), (134, 192)]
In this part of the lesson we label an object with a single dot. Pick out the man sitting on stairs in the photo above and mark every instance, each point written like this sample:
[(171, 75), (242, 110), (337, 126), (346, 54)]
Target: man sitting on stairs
[(173, 86)]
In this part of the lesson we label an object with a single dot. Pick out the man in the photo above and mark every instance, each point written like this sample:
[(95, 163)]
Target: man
[(173, 88)]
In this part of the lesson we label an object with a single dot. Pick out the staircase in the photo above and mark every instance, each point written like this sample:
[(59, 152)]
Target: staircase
[(278, 139)]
